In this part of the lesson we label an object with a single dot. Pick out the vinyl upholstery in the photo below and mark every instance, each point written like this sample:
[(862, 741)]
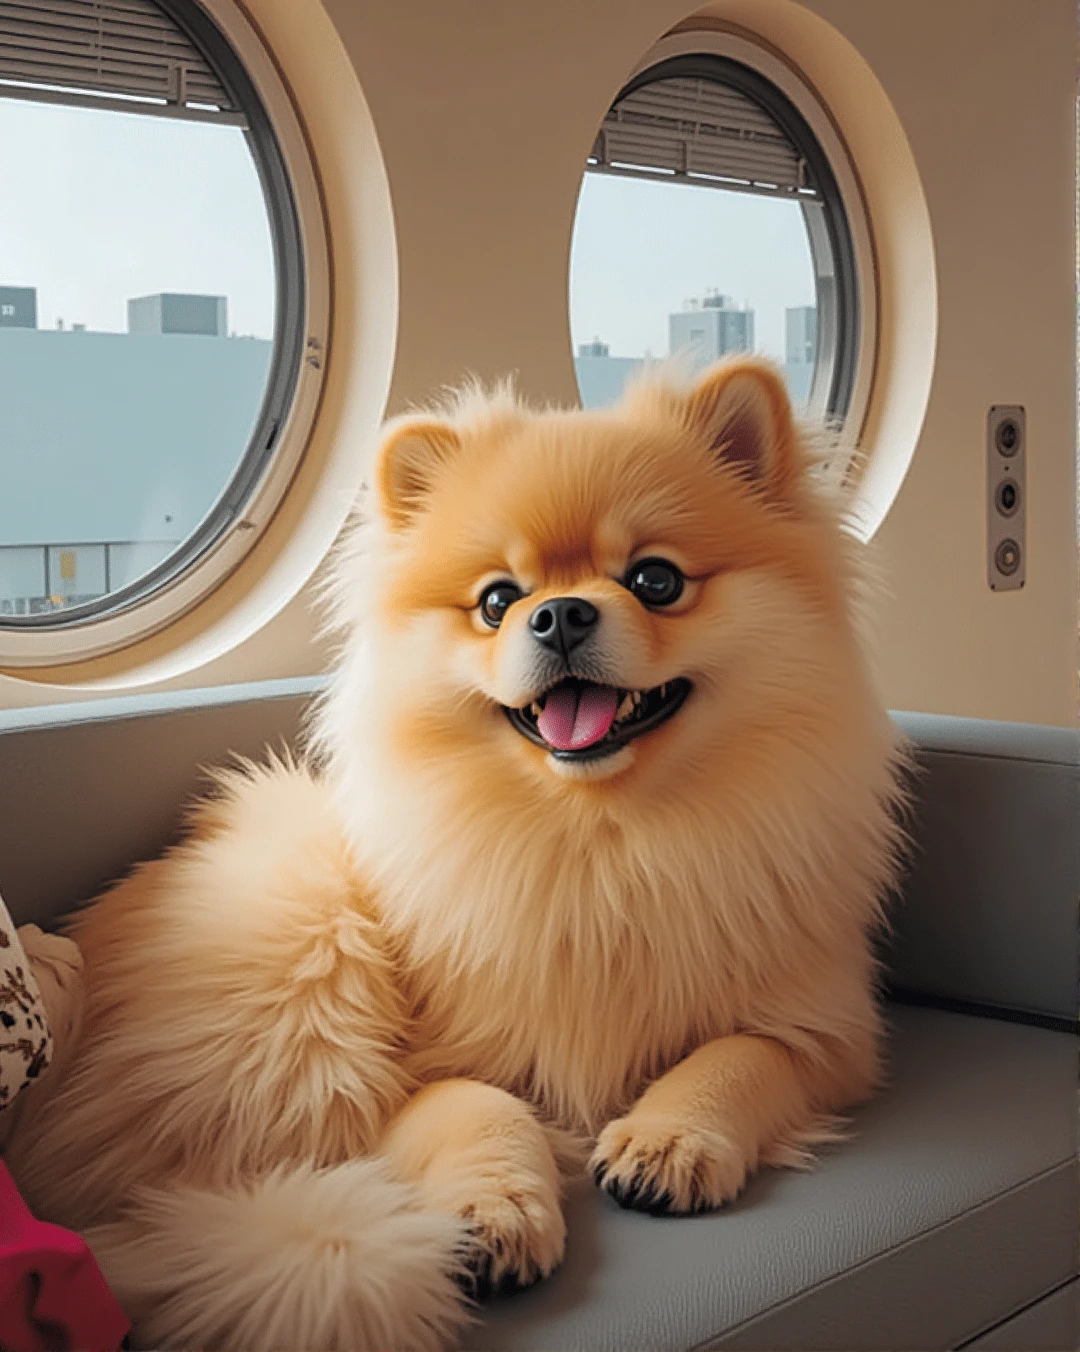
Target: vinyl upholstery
[(989, 903)]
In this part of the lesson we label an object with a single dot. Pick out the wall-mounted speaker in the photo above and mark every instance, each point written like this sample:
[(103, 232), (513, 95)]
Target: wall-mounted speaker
[(1006, 497)]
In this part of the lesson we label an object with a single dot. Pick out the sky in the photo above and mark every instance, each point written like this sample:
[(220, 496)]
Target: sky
[(642, 248), (97, 207)]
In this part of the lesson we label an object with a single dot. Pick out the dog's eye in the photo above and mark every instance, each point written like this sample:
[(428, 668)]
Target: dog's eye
[(497, 600), (654, 582)]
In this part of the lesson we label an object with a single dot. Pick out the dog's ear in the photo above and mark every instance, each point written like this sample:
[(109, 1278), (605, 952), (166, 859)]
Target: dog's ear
[(413, 452), (743, 409)]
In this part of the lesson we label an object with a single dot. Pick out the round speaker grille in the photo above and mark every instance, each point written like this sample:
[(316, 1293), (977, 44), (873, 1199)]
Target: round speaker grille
[(1007, 557)]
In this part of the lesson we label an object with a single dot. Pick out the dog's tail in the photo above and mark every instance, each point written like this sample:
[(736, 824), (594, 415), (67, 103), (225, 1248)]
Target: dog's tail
[(334, 1258)]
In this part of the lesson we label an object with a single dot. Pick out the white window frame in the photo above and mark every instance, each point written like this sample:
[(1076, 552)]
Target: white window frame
[(746, 48), (71, 638)]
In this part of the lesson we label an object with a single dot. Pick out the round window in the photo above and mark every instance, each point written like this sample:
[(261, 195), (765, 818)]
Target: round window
[(713, 219), (161, 323)]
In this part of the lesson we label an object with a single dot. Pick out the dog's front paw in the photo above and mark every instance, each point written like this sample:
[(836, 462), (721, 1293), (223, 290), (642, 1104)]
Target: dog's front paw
[(651, 1163), (516, 1237)]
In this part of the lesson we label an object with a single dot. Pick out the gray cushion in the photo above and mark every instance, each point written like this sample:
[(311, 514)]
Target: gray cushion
[(87, 790), (989, 901), (954, 1206)]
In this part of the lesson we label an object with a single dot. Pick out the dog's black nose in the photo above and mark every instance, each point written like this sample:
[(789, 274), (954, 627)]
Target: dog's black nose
[(561, 624)]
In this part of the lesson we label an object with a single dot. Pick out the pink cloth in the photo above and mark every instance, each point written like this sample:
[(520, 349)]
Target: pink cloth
[(52, 1294)]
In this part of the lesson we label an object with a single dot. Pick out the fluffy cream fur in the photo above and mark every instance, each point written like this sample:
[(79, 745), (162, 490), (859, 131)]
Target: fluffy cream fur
[(336, 1043)]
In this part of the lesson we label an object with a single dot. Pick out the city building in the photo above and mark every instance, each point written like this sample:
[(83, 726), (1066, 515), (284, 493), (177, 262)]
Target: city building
[(800, 350), (172, 312), (701, 333), (711, 328), (800, 335), (18, 307), (113, 446), (601, 379), (706, 330)]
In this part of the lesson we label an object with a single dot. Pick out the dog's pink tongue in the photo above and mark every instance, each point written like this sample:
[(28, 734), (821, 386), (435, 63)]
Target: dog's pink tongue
[(576, 717)]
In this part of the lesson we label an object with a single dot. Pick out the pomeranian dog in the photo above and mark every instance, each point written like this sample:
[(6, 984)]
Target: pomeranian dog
[(591, 846)]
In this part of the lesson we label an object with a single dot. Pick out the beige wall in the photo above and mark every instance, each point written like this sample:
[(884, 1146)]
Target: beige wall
[(986, 94), (485, 110)]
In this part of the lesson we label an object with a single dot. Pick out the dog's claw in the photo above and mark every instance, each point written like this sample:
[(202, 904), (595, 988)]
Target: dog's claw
[(475, 1279), (632, 1194)]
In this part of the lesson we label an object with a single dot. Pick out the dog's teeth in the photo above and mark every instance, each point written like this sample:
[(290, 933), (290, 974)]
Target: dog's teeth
[(534, 709), (663, 690), (626, 708), (637, 699)]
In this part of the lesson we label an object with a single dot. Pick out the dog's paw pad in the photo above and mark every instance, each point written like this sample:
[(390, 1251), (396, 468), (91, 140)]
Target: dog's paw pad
[(653, 1165), (515, 1239)]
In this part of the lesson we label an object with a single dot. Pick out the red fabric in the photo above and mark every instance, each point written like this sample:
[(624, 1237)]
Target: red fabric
[(53, 1297)]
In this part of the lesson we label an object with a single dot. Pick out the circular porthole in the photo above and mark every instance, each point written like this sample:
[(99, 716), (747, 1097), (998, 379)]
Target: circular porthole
[(719, 213), (164, 311)]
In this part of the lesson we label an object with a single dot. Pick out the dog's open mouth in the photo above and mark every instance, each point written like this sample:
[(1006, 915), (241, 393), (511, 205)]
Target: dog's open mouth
[(579, 720)]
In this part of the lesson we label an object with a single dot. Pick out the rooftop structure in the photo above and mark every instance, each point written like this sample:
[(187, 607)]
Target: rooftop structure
[(173, 312), (18, 307)]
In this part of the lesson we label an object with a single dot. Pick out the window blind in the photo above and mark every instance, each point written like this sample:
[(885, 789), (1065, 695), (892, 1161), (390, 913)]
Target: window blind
[(126, 54), (703, 132)]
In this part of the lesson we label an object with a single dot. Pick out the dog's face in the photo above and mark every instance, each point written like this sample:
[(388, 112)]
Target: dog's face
[(599, 597)]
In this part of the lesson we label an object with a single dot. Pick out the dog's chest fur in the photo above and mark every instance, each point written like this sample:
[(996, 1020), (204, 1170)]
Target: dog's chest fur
[(576, 1011), (580, 1045), (572, 967)]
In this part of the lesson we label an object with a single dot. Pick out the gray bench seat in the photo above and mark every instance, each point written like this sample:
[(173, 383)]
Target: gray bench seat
[(949, 1219)]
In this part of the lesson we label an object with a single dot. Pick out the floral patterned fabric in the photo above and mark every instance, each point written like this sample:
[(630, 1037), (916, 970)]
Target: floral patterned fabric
[(25, 1039)]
